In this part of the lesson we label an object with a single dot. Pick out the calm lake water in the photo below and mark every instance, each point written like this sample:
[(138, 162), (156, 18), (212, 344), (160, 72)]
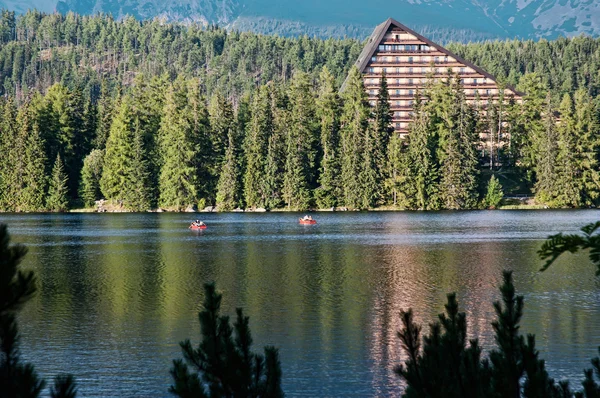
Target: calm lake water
[(119, 291)]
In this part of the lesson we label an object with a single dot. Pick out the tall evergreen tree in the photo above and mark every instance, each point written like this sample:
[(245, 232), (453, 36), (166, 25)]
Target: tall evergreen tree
[(568, 177), (104, 117), (223, 364), (9, 147), (354, 124), (179, 185), (300, 142), (229, 188), (422, 157), (260, 128), (546, 168), (328, 110), (91, 172), (382, 132), (458, 185), (399, 184), (32, 163), (118, 160), (57, 199)]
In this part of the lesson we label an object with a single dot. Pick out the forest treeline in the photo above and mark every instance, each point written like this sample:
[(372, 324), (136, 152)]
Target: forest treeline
[(151, 115)]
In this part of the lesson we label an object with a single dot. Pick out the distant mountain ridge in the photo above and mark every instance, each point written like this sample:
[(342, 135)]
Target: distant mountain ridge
[(464, 20)]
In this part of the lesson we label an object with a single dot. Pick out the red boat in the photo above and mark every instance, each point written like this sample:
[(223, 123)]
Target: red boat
[(307, 222), (197, 227)]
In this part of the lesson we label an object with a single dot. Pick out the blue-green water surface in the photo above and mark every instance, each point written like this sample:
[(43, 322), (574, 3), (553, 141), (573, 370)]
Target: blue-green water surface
[(117, 292)]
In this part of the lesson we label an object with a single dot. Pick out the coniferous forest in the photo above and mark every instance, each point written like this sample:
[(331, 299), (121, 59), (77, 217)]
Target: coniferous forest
[(150, 115)]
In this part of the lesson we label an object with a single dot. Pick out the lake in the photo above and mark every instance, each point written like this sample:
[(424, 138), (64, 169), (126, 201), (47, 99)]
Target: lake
[(118, 292)]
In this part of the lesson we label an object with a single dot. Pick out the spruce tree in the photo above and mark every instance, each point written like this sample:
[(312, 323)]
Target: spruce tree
[(587, 124), (546, 167), (57, 199), (118, 160), (568, 177), (421, 152), (228, 188), (179, 185), (260, 128), (300, 142), (399, 184), (369, 175), (354, 124), (382, 132), (32, 163), (11, 153), (494, 194), (104, 117), (223, 364), (91, 172), (139, 196), (507, 359), (328, 111)]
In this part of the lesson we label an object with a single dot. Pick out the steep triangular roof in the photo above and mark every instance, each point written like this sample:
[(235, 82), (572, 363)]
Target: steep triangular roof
[(382, 29)]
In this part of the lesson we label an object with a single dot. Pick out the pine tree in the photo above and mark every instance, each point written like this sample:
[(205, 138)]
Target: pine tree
[(118, 162), (354, 124), (300, 142), (228, 188), (546, 168), (421, 154), (139, 196), (31, 166), (91, 173), (507, 359), (399, 187), (57, 199), (587, 124), (494, 194), (179, 185), (260, 128), (382, 132), (104, 117), (328, 111), (568, 178), (369, 175), (9, 147), (223, 364)]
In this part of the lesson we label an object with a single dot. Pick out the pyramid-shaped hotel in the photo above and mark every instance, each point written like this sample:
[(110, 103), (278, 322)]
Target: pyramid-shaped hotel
[(407, 58)]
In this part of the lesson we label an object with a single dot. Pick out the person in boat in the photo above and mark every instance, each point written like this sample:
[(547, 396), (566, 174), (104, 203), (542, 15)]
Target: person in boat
[(307, 218)]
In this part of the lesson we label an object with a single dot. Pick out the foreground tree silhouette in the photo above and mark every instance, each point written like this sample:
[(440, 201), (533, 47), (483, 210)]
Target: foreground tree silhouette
[(442, 365), (559, 244), (18, 379), (223, 364)]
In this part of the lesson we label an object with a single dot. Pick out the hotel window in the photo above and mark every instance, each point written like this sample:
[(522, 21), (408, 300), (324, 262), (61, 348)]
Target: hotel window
[(423, 70), (410, 82), (410, 103), (398, 92), (385, 70), (410, 60), (474, 81), (397, 59), (397, 114), (488, 92), (462, 70), (410, 71), (373, 59), (397, 125), (371, 70), (411, 92), (371, 92), (398, 103), (388, 48), (406, 48), (475, 92), (446, 59), (437, 60), (398, 71), (397, 81), (381, 47)]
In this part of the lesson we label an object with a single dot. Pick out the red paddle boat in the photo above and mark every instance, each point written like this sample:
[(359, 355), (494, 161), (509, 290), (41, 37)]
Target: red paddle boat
[(309, 221), (195, 226)]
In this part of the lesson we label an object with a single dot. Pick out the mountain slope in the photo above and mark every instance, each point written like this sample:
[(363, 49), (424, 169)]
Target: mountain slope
[(462, 19)]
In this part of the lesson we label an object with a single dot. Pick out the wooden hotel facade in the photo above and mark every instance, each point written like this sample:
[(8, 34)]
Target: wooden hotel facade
[(407, 59)]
